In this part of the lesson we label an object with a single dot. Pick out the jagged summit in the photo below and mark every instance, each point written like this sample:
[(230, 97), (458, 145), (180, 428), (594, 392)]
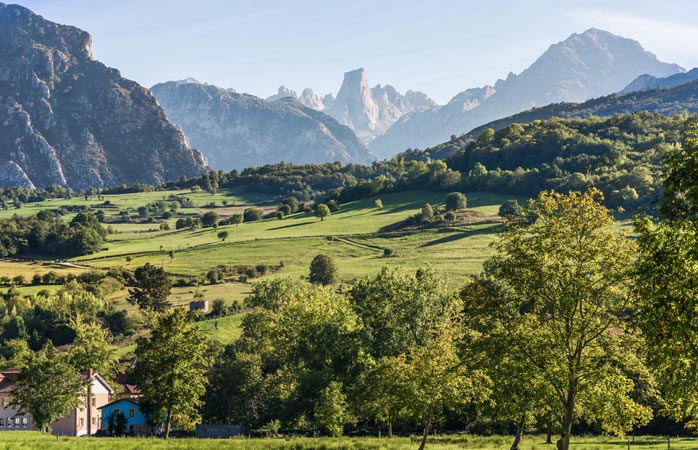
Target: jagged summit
[(67, 119)]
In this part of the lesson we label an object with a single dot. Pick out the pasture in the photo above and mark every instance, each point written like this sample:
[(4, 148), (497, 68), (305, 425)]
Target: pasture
[(35, 440)]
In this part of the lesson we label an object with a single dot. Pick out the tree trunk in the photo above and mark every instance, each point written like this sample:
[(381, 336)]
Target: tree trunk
[(424, 436), (390, 429), (564, 442), (167, 424), (549, 435), (519, 433)]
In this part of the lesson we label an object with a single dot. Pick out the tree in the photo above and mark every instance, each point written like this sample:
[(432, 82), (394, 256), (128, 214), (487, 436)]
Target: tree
[(236, 219), (323, 270), (559, 302), (332, 411), (284, 209), (252, 214), (322, 211), (455, 201), (508, 208), (171, 369), (292, 202), (152, 288), (666, 284), (48, 388), (92, 348), (223, 235), (379, 204), (209, 219), (117, 423)]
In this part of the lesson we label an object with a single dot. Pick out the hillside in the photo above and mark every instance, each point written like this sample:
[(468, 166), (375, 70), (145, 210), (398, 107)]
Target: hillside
[(668, 101), (235, 131), (68, 120), (584, 66), (621, 155)]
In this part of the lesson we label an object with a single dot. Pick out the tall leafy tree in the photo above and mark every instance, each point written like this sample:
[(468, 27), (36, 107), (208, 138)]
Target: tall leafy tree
[(172, 366), (666, 283), (92, 348), (153, 286), (323, 270), (48, 388), (563, 297)]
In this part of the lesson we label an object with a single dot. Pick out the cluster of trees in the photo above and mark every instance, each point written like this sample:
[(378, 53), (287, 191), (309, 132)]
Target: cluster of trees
[(47, 234), (622, 156)]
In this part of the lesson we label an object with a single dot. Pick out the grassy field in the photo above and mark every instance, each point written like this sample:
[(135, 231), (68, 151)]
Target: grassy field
[(354, 236), (34, 440)]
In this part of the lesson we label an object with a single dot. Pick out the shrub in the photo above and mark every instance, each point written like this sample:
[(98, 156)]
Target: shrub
[(455, 201)]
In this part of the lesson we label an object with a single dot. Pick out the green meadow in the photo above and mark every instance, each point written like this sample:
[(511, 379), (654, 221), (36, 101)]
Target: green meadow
[(35, 440)]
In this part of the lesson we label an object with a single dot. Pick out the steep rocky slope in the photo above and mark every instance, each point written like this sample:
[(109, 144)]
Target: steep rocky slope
[(69, 120), (238, 130)]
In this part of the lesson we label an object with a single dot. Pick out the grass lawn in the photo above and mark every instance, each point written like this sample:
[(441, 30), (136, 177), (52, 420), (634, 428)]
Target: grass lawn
[(35, 440)]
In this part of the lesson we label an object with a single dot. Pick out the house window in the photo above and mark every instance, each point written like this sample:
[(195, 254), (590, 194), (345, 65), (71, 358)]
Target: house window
[(5, 402), (10, 422), (25, 421), (94, 401), (94, 421), (16, 421), (116, 411), (2, 421), (132, 412), (82, 422)]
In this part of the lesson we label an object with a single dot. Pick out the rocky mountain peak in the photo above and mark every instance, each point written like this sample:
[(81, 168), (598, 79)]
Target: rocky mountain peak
[(282, 92), (69, 120)]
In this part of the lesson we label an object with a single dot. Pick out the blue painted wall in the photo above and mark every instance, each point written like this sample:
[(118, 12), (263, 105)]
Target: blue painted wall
[(124, 406)]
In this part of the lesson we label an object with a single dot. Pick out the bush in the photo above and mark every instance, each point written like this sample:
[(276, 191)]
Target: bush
[(450, 216), (455, 201), (252, 214), (209, 219)]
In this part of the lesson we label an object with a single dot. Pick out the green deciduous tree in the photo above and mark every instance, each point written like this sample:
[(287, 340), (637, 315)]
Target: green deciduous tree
[(223, 235), (331, 410), (666, 284), (323, 270), (171, 370), (48, 388), (236, 219), (92, 348), (153, 286), (322, 211), (379, 204), (560, 303), (209, 219)]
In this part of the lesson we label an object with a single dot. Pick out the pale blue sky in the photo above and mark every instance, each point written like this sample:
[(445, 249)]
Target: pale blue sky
[(440, 47)]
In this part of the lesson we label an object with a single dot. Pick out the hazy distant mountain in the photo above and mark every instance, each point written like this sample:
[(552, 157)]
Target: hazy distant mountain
[(586, 65), (371, 111), (239, 130), (644, 82), (69, 120)]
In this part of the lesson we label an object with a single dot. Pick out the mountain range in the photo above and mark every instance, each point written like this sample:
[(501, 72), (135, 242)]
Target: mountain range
[(67, 119), (368, 111), (587, 65), (646, 81), (240, 130)]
